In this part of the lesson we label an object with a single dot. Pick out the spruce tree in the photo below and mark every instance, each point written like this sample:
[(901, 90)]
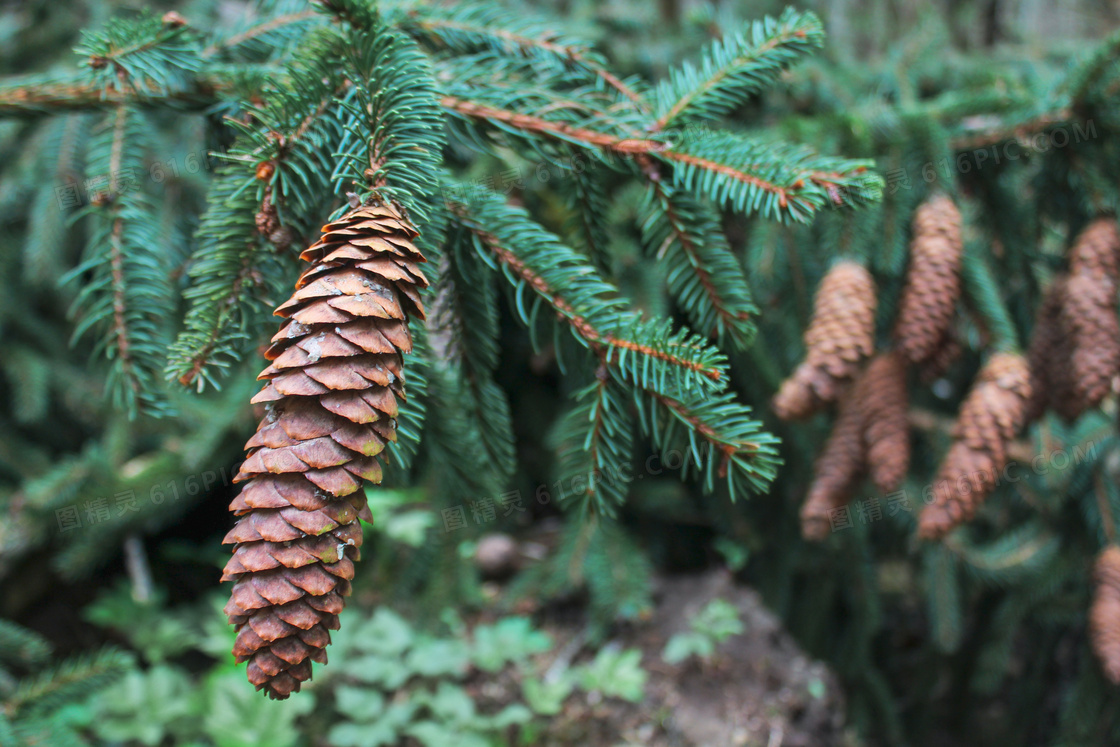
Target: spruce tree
[(932, 305)]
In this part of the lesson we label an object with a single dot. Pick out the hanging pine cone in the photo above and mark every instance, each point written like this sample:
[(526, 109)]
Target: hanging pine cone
[(933, 281), (946, 352), (840, 335), (1104, 616), (1049, 358), (837, 471), (1096, 251), (331, 401), (883, 402), (990, 416), (1090, 316)]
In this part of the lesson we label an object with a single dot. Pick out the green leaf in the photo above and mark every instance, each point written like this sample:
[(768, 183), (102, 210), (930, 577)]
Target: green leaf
[(511, 639), (237, 716), (681, 646), (547, 697), (614, 673), (436, 658)]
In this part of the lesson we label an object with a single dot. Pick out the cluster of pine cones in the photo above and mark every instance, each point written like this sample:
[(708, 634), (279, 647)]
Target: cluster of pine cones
[(1074, 356), (871, 434), (1073, 359)]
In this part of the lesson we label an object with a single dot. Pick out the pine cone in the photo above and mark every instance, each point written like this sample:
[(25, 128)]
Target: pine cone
[(1096, 251), (331, 402), (990, 416), (1090, 315), (1049, 359), (933, 281), (839, 337), (883, 400), (944, 355), (1104, 616), (837, 471)]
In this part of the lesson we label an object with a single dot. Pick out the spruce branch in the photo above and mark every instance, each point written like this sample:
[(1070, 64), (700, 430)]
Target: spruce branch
[(776, 180), (127, 296), (735, 68), (55, 687), (232, 276), (394, 134), (488, 26), (595, 442), (703, 275), (645, 352), (256, 40), (721, 439), (38, 95), (583, 137), (141, 55), (982, 289)]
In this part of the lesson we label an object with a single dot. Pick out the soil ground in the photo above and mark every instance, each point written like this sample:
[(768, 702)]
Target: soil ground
[(760, 689)]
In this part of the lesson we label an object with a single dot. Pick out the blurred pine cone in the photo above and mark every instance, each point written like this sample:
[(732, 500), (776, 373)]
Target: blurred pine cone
[(1096, 250), (883, 402), (837, 471), (1049, 358), (1090, 316), (839, 337), (933, 282), (332, 402), (992, 413), (1104, 616), (944, 355)]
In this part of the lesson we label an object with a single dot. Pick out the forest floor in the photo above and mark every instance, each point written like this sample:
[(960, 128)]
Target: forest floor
[(760, 689)]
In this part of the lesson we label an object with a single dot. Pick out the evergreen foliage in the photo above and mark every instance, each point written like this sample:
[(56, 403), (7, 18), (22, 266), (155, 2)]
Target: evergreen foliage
[(658, 239)]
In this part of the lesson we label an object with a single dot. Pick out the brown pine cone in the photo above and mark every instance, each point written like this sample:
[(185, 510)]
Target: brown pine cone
[(966, 477), (1090, 315), (1049, 358), (1104, 616), (837, 472), (331, 398), (883, 400), (944, 355), (839, 337), (1096, 250), (933, 282), (992, 413)]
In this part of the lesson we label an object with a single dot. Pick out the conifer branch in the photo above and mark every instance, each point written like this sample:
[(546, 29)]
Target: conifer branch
[(613, 334), (143, 54), (735, 68), (778, 181), (703, 275), (467, 28), (595, 442), (261, 29), (127, 295), (38, 96), (582, 136), (723, 441)]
